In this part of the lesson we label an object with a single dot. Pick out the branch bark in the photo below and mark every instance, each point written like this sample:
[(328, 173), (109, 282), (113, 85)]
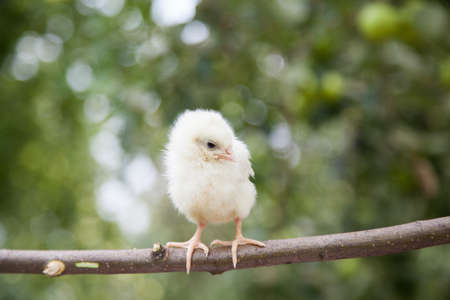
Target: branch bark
[(374, 242)]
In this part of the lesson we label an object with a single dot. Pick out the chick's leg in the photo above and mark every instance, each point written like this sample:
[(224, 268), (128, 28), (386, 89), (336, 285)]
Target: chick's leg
[(191, 245), (239, 239)]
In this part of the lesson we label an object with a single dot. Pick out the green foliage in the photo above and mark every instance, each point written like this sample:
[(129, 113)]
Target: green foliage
[(345, 107)]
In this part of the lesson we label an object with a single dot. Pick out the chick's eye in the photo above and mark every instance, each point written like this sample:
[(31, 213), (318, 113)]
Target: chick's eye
[(211, 145)]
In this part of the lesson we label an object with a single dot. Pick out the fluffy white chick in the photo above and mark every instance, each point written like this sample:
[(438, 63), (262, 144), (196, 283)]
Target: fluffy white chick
[(208, 172)]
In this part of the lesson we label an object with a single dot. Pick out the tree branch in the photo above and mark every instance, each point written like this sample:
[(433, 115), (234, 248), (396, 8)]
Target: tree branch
[(374, 242)]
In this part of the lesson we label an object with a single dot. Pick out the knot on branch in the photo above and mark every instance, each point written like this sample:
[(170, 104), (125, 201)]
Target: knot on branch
[(158, 251), (54, 268)]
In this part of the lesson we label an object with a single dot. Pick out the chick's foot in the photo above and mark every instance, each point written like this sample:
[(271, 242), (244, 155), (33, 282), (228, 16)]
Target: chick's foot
[(239, 239), (191, 245), (234, 245)]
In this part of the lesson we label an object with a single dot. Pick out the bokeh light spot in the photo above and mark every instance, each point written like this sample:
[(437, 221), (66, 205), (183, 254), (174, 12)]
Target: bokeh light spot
[(116, 202), (140, 174), (133, 19), (272, 64), (61, 26), (194, 33), (173, 12), (96, 108), (79, 76), (49, 47), (106, 149)]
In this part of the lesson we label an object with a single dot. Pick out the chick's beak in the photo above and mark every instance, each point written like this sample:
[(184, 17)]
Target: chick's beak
[(228, 155)]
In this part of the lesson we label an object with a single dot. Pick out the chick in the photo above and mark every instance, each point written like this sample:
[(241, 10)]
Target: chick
[(208, 172)]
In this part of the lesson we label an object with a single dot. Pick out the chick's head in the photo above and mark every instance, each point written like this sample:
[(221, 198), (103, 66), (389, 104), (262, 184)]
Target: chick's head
[(204, 135)]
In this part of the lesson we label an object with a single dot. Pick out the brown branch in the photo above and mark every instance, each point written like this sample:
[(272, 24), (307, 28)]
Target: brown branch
[(374, 242)]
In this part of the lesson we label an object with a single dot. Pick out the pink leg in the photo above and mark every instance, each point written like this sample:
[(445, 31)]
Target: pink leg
[(191, 245), (239, 239)]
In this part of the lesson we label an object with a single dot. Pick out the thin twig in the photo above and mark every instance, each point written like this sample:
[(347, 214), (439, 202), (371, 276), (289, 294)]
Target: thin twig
[(374, 242)]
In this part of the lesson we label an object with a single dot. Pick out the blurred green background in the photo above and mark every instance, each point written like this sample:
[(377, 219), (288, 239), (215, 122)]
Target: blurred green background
[(345, 107)]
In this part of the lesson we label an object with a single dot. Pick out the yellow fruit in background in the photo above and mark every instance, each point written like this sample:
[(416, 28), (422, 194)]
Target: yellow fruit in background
[(333, 85), (378, 21)]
